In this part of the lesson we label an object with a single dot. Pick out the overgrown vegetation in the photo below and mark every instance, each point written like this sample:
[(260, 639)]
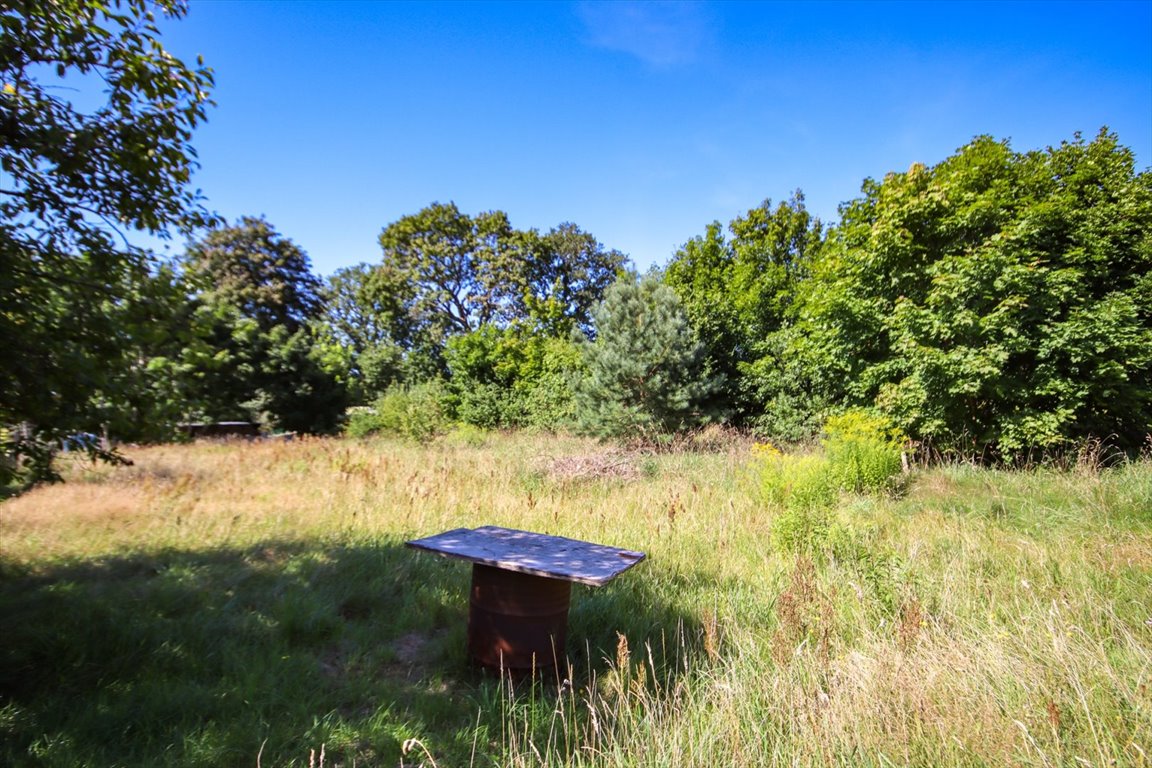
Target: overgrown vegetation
[(996, 301), (860, 454), (238, 604), (416, 413), (253, 603), (994, 304)]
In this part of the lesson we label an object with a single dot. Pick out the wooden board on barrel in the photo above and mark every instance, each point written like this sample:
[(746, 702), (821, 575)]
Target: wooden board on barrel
[(521, 590)]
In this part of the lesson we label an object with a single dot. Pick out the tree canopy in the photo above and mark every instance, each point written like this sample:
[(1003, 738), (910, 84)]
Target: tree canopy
[(646, 371), (251, 267), (264, 306), (445, 273), (457, 267), (998, 298), (739, 291), (74, 181), (562, 275)]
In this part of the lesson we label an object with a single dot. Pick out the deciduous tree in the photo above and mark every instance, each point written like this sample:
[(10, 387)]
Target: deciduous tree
[(739, 292), (445, 273), (253, 268), (562, 275), (998, 297), (74, 181), (265, 306), (458, 268)]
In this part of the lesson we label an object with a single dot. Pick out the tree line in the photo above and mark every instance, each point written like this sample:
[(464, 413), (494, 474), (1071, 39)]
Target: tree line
[(998, 301)]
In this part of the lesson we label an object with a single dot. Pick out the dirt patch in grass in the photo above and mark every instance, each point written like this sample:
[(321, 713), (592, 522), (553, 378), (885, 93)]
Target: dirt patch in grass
[(415, 653), (618, 465), (412, 648)]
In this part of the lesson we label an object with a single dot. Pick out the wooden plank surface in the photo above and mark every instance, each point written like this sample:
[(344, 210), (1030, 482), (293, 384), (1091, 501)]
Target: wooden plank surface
[(553, 557)]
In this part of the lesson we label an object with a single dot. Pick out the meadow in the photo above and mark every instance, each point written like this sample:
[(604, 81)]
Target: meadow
[(252, 604)]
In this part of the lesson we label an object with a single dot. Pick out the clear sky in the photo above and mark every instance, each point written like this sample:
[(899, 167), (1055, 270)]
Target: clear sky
[(641, 122)]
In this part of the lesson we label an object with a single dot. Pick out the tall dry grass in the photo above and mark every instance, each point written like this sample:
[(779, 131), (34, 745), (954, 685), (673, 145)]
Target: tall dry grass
[(984, 618)]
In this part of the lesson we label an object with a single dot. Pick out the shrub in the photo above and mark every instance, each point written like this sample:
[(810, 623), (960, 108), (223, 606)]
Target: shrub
[(795, 481), (415, 412), (1000, 296), (466, 435), (361, 421), (802, 489), (512, 377), (861, 454), (488, 406), (547, 396)]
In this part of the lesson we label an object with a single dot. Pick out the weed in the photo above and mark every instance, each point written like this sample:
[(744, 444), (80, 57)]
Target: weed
[(859, 455), (805, 616), (863, 452)]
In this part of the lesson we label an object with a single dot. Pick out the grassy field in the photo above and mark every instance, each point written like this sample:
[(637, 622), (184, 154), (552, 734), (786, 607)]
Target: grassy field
[(253, 605)]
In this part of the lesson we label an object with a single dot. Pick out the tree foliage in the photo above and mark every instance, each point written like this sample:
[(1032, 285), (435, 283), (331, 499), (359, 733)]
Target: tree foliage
[(998, 297), (163, 337), (251, 267), (368, 326), (739, 292), (359, 315), (646, 372), (517, 376), (455, 273), (73, 180), (262, 306), (451, 282), (456, 267), (561, 276)]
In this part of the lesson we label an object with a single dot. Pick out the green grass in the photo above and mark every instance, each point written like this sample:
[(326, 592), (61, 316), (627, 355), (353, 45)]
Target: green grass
[(253, 604)]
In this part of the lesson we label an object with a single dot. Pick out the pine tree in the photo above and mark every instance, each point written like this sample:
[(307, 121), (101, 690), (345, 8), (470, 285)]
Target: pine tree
[(646, 372)]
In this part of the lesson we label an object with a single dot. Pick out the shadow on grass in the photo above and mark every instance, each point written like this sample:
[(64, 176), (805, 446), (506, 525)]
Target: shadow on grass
[(216, 657)]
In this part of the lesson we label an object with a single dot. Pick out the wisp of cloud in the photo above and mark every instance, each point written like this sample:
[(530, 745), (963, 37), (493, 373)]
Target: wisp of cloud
[(661, 34)]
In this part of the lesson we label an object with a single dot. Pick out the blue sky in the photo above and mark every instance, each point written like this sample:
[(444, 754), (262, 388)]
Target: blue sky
[(639, 122)]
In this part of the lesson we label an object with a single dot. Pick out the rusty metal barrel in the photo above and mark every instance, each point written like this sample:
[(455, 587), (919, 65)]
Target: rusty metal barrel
[(517, 622)]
